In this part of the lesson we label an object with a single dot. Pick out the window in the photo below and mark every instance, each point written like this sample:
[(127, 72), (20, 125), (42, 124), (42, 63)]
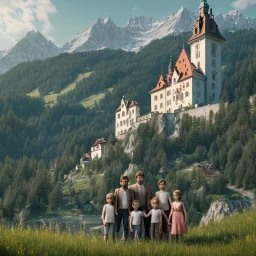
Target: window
[(155, 98), (198, 64), (196, 30), (133, 111), (186, 94), (161, 105), (117, 125), (161, 96), (174, 80), (213, 86), (214, 76), (122, 105), (214, 47), (118, 116), (187, 84), (173, 98), (169, 93), (197, 54), (155, 108), (214, 63), (123, 113), (121, 123), (197, 46)]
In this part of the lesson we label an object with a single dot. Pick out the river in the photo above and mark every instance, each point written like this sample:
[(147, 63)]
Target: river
[(72, 224)]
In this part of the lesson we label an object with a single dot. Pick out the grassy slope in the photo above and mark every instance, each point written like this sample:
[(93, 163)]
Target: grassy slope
[(89, 102), (51, 99), (232, 236)]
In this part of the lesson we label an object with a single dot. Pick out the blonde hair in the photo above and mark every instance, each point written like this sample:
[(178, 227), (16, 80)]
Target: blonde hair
[(177, 192), (154, 199)]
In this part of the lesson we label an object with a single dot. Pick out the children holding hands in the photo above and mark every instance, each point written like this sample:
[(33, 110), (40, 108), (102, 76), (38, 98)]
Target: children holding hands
[(156, 219)]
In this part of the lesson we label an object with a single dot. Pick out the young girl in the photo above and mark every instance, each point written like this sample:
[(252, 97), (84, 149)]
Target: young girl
[(165, 205), (136, 220), (156, 219), (108, 217), (178, 217)]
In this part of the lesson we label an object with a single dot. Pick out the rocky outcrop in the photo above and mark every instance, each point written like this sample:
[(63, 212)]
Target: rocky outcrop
[(221, 208)]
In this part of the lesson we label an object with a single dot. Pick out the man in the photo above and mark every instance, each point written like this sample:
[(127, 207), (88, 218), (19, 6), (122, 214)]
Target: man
[(142, 193), (123, 202)]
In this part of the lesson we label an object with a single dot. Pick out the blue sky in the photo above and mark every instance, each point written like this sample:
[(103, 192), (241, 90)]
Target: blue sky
[(60, 20)]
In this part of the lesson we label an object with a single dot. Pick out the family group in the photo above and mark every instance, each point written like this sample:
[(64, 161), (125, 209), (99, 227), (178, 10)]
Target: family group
[(136, 207)]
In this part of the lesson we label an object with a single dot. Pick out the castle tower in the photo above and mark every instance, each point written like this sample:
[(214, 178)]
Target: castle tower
[(205, 46)]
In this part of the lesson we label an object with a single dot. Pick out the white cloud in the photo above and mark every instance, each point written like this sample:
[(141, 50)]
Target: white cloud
[(20, 16), (243, 4)]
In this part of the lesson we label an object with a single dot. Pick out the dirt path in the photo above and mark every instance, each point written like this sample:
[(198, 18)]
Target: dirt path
[(242, 192)]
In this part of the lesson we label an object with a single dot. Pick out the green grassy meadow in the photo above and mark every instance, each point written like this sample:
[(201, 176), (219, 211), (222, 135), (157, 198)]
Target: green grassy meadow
[(51, 98), (234, 235), (89, 102)]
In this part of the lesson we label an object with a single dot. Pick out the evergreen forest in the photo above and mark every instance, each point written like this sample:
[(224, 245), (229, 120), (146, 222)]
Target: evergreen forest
[(35, 137)]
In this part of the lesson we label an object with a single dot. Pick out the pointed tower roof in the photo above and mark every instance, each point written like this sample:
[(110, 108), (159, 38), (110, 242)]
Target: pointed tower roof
[(160, 84), (205, 24)]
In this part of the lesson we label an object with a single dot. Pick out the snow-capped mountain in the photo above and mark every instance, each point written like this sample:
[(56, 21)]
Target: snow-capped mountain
[(137, 33), (141, 30), (34, 46), (234, 20)]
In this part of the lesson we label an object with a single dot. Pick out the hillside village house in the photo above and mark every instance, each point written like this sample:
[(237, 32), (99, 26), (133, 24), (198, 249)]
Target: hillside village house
[(98, 148), (195, 80), (85, 158), (126, 116)]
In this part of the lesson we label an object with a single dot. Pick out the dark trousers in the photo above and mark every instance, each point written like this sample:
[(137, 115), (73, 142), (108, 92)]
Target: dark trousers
[(147, 223), (123, 214)]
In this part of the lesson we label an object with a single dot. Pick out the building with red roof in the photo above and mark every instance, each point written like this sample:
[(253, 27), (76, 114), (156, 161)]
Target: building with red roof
[(194, 80), (98, 148)]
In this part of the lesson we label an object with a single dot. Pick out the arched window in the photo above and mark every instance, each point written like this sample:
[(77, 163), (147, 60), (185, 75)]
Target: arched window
[(186, 94)]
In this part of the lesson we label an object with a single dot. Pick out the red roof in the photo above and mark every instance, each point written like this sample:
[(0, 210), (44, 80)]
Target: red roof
[(206, 25), (99, 141), (160, 84)]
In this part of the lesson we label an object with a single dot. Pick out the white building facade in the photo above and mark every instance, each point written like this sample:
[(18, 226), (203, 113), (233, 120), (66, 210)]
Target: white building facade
[(126, 116), (195, 80), (98, 148)]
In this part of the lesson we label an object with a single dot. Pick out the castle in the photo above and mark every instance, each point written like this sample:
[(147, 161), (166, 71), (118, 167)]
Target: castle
[(192, 81)]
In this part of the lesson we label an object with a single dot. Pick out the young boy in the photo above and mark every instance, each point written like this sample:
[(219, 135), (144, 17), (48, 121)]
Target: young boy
[(136, 220), (165, 204), (108, 217)]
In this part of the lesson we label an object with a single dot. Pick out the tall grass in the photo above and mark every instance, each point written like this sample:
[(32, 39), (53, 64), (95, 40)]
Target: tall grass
[(234, 235)]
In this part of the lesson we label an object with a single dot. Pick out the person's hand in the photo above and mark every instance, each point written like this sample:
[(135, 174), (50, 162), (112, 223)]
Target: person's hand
[(131, 230), (116, 212)]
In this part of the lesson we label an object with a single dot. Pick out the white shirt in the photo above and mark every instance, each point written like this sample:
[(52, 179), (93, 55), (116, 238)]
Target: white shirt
[(163, 197), (136, 217), (124, 199), (156, 216), (110, 214)]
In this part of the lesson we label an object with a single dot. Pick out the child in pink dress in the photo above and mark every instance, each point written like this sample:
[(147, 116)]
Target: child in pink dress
[(178, 217)]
